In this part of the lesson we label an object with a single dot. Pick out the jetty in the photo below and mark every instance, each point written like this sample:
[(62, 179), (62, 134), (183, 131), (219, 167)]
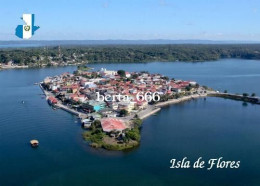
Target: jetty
[(238, 97)]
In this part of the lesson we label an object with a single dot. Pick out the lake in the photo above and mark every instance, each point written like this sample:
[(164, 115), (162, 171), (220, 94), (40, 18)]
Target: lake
[(210, 128)]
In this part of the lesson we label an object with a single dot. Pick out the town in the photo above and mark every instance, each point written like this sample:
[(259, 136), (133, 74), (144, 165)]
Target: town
[(114, 122)]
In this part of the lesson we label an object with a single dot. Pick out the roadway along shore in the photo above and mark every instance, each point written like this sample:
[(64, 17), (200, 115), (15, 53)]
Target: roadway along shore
[(152, 109)]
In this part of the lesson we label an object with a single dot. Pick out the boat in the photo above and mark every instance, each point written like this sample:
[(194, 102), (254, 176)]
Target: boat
[(34, 143), (22, 102)]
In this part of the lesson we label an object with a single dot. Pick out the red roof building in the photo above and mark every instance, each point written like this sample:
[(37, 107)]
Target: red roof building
[(52, 100), (110, 124)]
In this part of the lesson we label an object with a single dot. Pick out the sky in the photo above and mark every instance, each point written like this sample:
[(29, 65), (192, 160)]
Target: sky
[(134, 19)]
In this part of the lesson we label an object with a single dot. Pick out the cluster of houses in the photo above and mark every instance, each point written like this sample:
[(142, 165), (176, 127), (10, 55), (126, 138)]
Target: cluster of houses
[(79, 90)]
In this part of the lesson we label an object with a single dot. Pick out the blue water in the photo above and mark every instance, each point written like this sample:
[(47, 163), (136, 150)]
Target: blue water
[(208, 128)]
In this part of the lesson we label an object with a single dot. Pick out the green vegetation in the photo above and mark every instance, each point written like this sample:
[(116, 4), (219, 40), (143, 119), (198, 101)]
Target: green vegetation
[(245, 94), (83, 68), (48, 56), (95, 134), (123, 113), (121, 73), (188, 88), (114, 140), (134, 133)]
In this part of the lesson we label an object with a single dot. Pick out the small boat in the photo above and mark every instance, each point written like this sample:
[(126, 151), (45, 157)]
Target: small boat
[(34, 143), (36, 83), (23, 102)]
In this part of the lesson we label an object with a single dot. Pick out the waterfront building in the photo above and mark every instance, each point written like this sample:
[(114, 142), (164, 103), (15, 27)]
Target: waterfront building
[(112, 124), (52, 100)]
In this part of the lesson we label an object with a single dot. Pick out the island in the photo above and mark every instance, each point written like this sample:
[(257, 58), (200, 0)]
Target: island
[(112, 104)]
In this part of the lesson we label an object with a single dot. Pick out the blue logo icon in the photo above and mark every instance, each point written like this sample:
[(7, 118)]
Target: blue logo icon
[(27, 30)]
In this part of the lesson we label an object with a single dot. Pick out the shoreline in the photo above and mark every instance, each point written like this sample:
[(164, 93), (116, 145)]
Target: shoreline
[(179, 100), (61, 106), (6, 67), (157, 107)]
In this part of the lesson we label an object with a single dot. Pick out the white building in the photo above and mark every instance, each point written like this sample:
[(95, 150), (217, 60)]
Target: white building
[(105, 72)]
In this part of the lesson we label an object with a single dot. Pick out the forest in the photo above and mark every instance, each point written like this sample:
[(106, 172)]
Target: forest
[(127, 53)]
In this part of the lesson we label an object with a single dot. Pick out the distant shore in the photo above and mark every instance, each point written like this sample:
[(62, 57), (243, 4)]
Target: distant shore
[(13, 67)]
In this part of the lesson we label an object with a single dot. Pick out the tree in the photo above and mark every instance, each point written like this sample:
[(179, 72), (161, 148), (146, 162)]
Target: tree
[(137, 122), (253, 94), (245, 94), (121, 73), (165, 78), (97, 123), (123, 112), (225, 91), (134, 76), (188, 88), (133, 134)]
